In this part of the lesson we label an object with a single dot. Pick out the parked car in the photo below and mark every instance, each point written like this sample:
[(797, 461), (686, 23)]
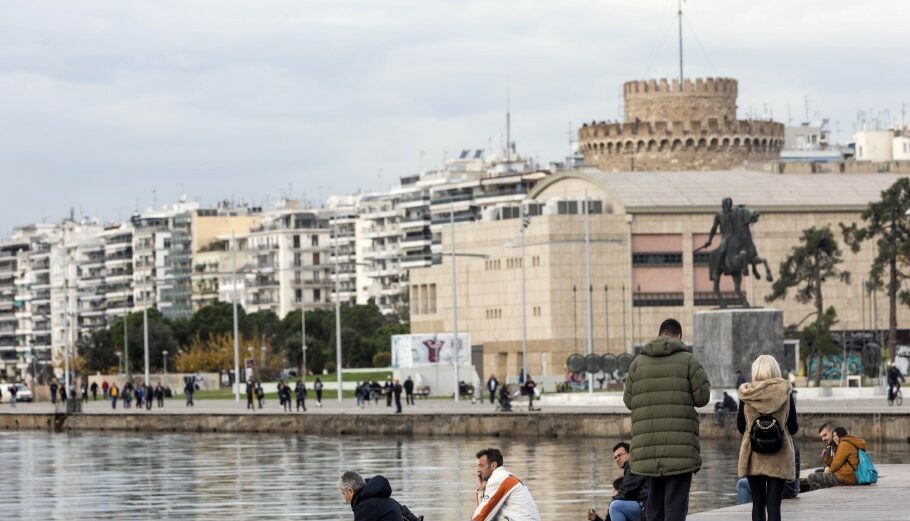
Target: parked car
[(23, 393)]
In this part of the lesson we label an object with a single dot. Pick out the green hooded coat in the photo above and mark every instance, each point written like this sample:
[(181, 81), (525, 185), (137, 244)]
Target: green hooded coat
[(664, 386)]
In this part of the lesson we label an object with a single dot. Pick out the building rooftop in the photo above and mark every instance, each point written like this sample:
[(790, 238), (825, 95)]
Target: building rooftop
[(696, 192)]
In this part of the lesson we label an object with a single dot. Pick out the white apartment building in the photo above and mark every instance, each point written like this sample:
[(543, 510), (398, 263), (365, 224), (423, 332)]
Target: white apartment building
[(874, 145), (118, 276)]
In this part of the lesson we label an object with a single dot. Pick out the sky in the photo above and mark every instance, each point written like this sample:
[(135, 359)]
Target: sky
[(107, 107)]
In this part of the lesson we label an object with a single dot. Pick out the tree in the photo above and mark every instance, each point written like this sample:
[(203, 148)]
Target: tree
[(217, 318), (97, 351), (887, 221), (806, 268), (161, 338), (211, 355)]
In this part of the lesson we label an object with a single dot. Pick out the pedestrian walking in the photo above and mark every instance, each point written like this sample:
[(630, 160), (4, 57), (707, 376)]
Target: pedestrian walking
[(529, 386), (127, 395), (766, 401), (285, 392), (318, 387), (409, 391), (492, 385), (663, 387), (84, 391), (300, 392), (159, 395), (105, 387), (260, 394), (114, 393), (396, 390), (387, 390), (94, 389), (63, 394), (188, 390), (138, 391), (360, 394), (149, 394), (54, 388), (13, 392), (250, 392)]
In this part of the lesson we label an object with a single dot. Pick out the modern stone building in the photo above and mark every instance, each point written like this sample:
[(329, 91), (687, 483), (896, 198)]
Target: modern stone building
[(644, 230), (673, 127)]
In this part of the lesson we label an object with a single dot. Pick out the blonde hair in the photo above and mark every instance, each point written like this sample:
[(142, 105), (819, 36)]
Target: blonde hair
[(765, 367)]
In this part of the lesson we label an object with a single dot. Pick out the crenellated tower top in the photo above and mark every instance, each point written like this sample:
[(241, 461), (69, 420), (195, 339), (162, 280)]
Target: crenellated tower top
[(668, 100)]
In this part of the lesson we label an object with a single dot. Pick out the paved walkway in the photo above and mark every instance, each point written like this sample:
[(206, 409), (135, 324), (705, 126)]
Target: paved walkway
[(885, 501), (434, 406)]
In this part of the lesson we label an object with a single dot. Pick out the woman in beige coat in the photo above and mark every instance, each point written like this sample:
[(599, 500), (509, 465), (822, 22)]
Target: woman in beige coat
[(766, 394)]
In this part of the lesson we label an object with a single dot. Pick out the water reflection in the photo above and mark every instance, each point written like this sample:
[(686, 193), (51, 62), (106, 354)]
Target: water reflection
[(255, 476)]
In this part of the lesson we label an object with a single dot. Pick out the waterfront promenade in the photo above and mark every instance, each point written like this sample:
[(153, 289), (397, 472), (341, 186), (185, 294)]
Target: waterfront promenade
[(884, 501)]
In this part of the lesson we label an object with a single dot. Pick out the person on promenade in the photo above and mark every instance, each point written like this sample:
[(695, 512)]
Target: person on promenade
[(841, 470), (740, 379), (260, 394), (360, 393), (159, 395), (826, 433), (84, 391), (127, 395), (280, 389), (396, 390), (114, 392), (592, 513), (528, 389), (791, 488), (492, 384), (148, 394), (104, 389), (663, 387), (409, 391), (63, 394), (250, 392), (767, 395), (500, 494), (317, 386), (629, 498), (54, 388), (13, 391), (388, 390), (285, 391), (300, 392), (371, 499), (895, 377), (188, 389), (94, 389), (728, 404)]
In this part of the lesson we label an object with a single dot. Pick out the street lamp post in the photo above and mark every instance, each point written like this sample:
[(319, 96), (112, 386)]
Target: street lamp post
[(589, 316), (145, 340), (164, 355), (454, 299), (337, 310), (525, 221), (234, 302)]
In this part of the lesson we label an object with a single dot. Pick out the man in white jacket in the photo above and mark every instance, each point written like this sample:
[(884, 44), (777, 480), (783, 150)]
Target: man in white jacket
[(501, 496)]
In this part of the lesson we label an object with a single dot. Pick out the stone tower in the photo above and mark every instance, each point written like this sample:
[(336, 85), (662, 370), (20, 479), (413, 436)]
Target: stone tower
[(669, 126)]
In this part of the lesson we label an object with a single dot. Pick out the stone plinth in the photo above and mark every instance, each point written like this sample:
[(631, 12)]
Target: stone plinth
[(730, 339)]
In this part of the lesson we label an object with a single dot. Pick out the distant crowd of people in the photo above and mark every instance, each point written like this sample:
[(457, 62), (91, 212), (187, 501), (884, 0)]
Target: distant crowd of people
[(287, 397), (365, 392)]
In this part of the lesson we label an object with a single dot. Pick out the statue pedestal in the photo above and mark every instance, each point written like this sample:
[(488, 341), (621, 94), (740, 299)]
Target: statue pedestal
[(730, 339)]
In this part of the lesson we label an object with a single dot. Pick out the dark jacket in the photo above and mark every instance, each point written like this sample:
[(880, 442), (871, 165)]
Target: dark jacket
[(374, 502), (634, 487), (664, 386), (409, 386)]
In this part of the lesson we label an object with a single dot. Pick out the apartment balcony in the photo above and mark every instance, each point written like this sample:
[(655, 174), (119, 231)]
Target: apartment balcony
[(92, 312), (416, 261), (118, 295), (112, 263), (391, 291), (415, 244), (414, 201), (415, 223), (444, 198), (388, 253)]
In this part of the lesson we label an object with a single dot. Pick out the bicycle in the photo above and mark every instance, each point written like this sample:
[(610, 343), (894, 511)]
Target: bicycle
[(897, 397)]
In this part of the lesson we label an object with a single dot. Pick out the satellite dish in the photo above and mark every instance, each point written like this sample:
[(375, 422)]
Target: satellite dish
[(576, 363), (624, 360), (609, 363), (593, 363)]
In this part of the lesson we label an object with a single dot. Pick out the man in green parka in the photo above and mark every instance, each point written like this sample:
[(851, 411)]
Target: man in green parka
[(664, 386)]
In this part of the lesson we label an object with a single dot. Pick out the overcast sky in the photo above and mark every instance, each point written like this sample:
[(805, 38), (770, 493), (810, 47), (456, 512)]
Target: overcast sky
[(105, 103)]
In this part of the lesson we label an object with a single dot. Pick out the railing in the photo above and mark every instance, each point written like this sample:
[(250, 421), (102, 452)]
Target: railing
[(451, 198), (707, 298)]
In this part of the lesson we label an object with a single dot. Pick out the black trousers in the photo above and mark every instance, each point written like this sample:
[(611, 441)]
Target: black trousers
[(766, 496), (668, 497), (409, 399), (301, 402)]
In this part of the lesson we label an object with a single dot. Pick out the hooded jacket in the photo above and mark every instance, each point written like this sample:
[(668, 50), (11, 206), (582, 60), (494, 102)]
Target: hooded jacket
[(846, 459), (374, 502), (664, 386), (773, 397)]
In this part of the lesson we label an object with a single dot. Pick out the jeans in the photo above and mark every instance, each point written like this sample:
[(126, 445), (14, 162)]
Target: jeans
[(743, 492), (625, 510)]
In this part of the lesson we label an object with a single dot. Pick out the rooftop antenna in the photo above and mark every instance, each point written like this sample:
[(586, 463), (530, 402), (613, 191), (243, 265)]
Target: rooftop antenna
[(806, 106), (789, 118), (508, 128), (154, 198), (679, 12)]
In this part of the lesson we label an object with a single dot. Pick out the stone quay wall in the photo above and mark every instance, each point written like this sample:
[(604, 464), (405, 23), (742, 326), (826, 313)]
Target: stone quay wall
[(871, 427)]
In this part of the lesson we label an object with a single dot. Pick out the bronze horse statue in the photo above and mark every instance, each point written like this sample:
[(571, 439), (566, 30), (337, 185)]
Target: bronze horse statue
[(736, 253)]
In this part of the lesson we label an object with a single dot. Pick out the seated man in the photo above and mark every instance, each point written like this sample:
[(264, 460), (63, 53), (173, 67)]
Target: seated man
[(632, 493), (501, 495), (841, 469), (727, 405)]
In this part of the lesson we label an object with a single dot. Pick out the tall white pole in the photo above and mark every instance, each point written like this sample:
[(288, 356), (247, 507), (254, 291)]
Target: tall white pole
[(679, 2), (589, 317), (66, 329), (236, 335), (454, 300), (303, 369), (337, 314), (145, 340), (524, 308)]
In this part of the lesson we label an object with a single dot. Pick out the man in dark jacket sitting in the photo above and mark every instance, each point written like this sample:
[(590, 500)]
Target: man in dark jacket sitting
[(631, 495), (371, 500)]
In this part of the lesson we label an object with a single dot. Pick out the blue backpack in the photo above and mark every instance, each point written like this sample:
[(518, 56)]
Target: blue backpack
[(866, 473)]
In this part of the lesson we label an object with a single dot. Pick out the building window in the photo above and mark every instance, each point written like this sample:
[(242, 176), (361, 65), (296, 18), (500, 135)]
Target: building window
[(298, 295), (316, 259), (657, 259), (314, 240), (567, 207), (647, 299), (317, 295), (296, 242)]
